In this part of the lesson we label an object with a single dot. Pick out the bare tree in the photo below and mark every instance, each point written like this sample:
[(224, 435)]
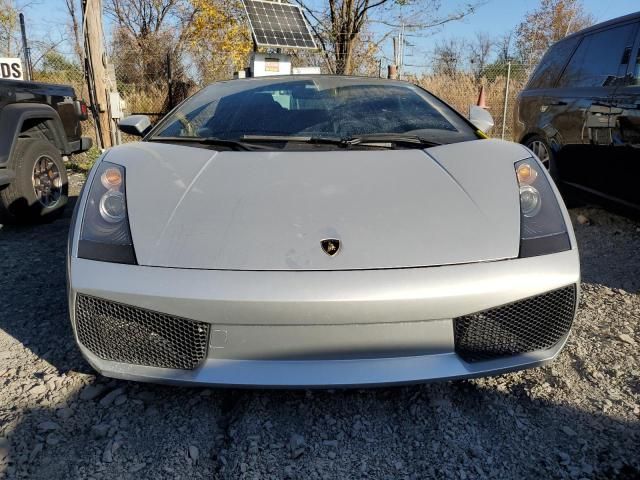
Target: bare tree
[(505, 48), (550, 22), (448, 56), (480, 49), (142, 18), (145, 32), (74, 28), (338, 27)]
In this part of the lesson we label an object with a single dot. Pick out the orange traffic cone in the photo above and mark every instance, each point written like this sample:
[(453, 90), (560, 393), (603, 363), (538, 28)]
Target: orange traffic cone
[(482, 102)]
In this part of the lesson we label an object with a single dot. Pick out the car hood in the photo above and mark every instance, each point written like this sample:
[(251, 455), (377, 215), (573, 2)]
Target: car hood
[(196, 208)]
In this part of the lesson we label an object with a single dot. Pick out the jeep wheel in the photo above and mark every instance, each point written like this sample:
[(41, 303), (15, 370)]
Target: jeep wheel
[(40, 190)]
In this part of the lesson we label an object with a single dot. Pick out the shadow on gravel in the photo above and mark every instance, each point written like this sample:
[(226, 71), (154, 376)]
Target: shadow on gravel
[(109, 429), (454, 430), (33, 282), (609, 246)]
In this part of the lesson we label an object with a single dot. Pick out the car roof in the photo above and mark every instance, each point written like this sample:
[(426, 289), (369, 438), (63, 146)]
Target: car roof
[(599, 26)]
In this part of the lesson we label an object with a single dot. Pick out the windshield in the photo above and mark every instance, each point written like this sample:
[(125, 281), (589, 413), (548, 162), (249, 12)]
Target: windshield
[(314, 107)]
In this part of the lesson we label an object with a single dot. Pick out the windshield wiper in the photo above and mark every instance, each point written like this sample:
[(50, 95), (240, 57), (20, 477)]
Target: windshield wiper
[(221, 142), (246, 141), (293, 138), (364, 140), (404, 138)]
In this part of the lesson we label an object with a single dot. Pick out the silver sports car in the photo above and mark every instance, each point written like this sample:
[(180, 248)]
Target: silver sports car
[(318, 231)]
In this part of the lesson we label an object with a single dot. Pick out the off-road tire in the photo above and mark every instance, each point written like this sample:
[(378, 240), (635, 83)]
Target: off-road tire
[(19, 202)]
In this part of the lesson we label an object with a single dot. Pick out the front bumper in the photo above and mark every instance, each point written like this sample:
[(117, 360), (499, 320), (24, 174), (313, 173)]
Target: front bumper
[(324, 329)]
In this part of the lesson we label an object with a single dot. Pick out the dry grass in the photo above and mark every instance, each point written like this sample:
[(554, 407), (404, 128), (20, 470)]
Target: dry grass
[(144, 98), (461, 90)]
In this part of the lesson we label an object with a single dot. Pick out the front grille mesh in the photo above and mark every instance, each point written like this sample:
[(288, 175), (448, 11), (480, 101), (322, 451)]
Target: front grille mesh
[(122, 333), (536, 323)]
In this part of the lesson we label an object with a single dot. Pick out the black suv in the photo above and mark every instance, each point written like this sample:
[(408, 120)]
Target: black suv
[(39, 124), (580, 112)]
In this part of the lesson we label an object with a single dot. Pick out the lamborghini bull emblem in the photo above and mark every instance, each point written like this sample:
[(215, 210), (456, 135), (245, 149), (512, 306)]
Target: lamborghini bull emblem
[(330, 246)]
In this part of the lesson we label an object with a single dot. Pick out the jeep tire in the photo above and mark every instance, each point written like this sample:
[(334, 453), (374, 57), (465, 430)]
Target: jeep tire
[(40, 189)]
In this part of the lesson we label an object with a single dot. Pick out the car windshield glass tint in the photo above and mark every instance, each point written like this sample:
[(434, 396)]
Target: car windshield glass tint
[(322, 107)]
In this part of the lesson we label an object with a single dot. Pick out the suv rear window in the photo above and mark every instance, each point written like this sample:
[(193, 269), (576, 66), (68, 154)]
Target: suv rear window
[(551, 65), (600, 58)]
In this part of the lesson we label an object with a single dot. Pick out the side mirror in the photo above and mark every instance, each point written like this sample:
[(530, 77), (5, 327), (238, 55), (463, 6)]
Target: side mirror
[(138, 125), (480, 118)]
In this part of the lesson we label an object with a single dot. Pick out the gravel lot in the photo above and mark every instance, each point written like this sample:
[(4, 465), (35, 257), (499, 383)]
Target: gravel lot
[(577, 418)]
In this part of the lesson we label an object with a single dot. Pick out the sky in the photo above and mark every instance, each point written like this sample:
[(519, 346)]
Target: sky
[(498, 17), (48, 17)]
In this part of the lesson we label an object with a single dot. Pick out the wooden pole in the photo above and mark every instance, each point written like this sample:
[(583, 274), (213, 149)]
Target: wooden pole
[(170, 83), (95, 53)]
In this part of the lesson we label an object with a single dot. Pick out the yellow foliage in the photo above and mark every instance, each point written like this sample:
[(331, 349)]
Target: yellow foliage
[(219, 39), (8, 28), (8, 14)]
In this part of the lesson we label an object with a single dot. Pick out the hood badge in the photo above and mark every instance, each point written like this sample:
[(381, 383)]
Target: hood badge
[(330, 246)]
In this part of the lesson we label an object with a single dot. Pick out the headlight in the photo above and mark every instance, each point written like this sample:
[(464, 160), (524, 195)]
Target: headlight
[(112, 207), (530, 203), (542, 226), (105, 233)]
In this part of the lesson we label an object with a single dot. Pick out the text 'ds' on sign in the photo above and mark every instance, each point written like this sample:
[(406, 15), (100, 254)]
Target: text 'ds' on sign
[(11, 69)]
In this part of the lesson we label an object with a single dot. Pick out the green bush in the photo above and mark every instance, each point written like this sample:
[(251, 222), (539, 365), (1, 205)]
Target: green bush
[(82, 162)]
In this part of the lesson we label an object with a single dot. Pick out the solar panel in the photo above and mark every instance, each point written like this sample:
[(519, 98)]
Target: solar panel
[(275, 24)]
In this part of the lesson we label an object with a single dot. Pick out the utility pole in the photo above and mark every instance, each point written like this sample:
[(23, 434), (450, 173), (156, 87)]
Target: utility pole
[(395, 70), (392, 70), (27, 50), (400, 58), (96, 66)]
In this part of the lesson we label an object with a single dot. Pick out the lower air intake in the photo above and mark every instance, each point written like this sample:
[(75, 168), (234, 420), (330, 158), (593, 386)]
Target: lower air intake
[(536, 323), (122, 333)]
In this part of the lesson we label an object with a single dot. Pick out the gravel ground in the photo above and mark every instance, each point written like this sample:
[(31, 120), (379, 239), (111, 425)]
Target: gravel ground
[(576, 418)]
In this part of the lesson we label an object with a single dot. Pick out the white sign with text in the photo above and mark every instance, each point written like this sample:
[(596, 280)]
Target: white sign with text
[(11, 69)]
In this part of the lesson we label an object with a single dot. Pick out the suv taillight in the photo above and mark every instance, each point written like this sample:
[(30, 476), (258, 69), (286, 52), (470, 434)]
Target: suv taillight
[(81, 110)]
